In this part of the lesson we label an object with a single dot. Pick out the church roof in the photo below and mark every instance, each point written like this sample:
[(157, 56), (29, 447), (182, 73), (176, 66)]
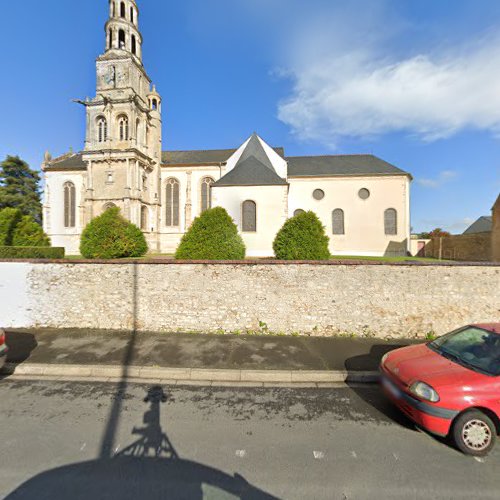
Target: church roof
[(202, 157), (72, 161), (253, 168), (339, 165), (482, 225)]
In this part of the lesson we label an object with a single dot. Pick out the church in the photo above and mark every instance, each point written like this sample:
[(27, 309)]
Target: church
[(363, 201)]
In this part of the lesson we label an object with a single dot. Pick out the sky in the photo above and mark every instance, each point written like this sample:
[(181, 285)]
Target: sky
[(415, 82)]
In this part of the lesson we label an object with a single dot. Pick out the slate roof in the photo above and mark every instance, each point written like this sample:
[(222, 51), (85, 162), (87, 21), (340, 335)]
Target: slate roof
[(339, 165), (254, 168), (67, 162), (202, 157), (482, 225)]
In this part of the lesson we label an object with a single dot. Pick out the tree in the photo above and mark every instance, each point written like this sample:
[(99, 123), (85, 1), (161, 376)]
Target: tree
[(19, 187), (9, 219), (111, 236), (435, 233), (302, 237), (29, 234), (212, 236)]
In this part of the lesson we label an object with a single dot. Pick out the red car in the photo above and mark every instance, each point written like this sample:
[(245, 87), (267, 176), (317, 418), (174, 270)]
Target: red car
[(450, 386)]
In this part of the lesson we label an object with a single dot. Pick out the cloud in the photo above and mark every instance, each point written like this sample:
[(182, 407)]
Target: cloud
[(346, 86), (443, 178)]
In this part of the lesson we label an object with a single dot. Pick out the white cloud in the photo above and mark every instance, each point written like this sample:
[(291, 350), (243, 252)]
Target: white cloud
[(443, 178), (348, 86)]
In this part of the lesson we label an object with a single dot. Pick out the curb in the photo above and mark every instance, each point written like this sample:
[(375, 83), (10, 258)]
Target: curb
[(187, 375)]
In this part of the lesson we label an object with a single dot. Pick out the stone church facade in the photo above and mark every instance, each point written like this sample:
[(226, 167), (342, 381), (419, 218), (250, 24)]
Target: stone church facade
[(363, 201)]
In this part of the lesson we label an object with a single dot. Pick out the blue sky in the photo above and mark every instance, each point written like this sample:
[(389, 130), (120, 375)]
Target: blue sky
[(416, 82)]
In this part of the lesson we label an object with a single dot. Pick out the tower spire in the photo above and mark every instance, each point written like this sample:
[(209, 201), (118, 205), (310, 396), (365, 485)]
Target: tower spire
[(122, 28)]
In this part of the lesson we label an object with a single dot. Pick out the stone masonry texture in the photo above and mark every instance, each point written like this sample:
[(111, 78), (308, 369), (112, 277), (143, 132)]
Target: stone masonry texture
[(364, 300)]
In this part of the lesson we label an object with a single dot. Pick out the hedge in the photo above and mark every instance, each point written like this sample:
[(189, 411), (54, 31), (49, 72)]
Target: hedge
[(31, 252), (302, 237), (212, 236), (28, 233), (111, 236)]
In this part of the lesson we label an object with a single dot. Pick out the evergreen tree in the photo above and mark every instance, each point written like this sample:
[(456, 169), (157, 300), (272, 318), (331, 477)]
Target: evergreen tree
[(19, 187)]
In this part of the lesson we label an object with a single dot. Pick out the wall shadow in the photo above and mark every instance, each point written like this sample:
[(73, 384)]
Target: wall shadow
[(21, 345), (148, 468)]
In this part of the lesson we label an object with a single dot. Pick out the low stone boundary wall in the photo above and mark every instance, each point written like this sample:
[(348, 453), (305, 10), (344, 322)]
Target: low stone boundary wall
[(355, 299)]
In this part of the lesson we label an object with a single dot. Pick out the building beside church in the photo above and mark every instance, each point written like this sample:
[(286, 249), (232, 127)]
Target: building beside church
[(363, 201)]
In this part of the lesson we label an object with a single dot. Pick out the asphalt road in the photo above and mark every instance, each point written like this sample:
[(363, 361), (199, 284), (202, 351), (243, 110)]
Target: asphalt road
[(73, 440)]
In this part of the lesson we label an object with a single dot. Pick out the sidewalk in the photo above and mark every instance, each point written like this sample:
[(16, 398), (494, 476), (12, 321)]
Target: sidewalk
[(187, 358)]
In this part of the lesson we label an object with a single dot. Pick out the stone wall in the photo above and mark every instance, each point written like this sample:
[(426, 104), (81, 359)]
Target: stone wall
[(382, 300), (463, 247)]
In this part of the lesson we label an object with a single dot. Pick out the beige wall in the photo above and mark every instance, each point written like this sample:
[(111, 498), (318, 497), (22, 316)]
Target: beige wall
[(364, 219), (381, 300), (464, 247)]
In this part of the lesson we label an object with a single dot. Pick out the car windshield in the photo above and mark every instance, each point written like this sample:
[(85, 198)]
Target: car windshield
[(472, 347)]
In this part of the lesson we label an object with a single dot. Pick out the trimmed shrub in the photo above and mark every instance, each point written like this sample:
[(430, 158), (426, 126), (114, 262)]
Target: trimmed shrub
[(302, 237), (9, 219), (212, 236), (31, 253), (111, 236), (29, 234)]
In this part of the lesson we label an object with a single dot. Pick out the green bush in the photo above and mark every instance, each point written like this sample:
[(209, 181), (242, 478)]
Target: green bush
[(9, 219), (110, 236), (31, 253), (302, 238), (29, 234), (212, 236)]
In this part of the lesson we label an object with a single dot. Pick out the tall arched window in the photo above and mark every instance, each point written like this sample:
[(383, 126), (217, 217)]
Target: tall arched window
[(122, 9), (114, 9), (123, 128), (206, 193), (338, 226), (121, 39), (69, 205), (137, 130), (172, 203), (108, 206), (391, 222), (102, 129), (249, 217), (110, 38), (134, 45), (132, 15), (144, 218)]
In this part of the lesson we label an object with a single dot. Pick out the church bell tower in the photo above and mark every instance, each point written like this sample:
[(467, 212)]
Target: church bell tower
[(123, 141)]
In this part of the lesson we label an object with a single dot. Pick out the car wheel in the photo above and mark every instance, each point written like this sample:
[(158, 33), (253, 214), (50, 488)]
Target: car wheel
[(474, 433)]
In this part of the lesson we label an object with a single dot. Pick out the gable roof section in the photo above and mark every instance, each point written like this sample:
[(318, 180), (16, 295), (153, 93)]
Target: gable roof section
[(482, 225), (253, 168), (67, 162), (340, 165), (202, 157)]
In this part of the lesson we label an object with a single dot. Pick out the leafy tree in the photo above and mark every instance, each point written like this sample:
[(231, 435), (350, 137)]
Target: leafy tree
[(111, 236), (9, 219), (435, 233), (212, 236), (302, 237), (29, 234), (19, 187)]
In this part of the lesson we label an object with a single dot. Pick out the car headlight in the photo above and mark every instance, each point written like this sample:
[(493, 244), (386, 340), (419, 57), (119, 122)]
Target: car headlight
[(384, 358), (424, 391)]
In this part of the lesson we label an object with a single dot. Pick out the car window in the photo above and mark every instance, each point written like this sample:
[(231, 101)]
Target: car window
[(473, 347)]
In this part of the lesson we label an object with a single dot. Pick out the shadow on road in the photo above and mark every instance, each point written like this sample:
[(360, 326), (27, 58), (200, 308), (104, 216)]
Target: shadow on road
[(381, 404), (149, 468), (21, 345)]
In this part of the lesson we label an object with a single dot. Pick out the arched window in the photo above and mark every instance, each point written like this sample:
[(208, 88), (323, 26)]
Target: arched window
[(338, 226), (137, 130), (154, 104), (131, 14), (110, 38), (206, 193), (134, 45), (121, 39), (123, 128), (114, 9), (102, 129), (249, 216), (391, 222), (298, 212), (172, 203), (69, 205), (107, 206), (122, 9), (144, 218)]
